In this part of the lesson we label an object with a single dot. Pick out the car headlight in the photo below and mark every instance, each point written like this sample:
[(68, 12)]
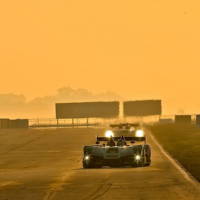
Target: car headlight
[(87, 157), (137, 157), (109, 133), (139, 133)]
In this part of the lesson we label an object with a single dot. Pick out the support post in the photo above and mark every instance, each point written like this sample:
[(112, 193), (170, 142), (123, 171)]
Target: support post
[(57, 122)]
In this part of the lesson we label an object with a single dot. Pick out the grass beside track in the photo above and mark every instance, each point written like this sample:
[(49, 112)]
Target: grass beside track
[(182, 141)]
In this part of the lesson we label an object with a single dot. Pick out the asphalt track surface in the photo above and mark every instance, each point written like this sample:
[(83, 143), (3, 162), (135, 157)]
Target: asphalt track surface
[(46, 165)]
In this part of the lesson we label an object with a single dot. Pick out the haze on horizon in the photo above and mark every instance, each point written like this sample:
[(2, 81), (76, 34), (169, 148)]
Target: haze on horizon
[(136, 49)]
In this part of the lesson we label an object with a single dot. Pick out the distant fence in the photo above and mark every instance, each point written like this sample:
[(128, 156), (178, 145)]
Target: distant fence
[(79, 122), (93, 122)]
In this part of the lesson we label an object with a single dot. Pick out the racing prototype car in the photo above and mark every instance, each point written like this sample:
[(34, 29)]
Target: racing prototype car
[(124, 125), (117, 151), (125, 129)]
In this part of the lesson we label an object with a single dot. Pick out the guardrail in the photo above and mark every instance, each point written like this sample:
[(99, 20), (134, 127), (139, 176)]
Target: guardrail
[(61, 123)]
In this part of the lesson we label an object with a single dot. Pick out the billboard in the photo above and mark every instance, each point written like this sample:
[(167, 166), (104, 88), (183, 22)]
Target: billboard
[(142, 108), (87, 110), (183, 119)]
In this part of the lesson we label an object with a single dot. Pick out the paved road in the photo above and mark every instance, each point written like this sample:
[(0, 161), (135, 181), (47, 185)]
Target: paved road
[(46, 165)]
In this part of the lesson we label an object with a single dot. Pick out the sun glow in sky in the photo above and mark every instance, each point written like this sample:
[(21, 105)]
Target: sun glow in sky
[(138, 49)]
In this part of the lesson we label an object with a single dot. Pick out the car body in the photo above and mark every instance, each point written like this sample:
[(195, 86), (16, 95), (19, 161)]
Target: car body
[(99, 155)]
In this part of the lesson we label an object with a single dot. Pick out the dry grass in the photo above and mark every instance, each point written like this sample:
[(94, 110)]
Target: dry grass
[(182, 141)]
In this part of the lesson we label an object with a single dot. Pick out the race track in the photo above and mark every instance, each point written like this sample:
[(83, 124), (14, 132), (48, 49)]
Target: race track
[(46, 165)]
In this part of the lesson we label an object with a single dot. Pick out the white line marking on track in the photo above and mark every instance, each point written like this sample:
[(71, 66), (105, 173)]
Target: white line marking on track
[(176, 164)]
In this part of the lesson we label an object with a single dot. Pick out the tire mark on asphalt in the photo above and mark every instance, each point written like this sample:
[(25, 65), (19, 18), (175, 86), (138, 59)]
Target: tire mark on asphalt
[(100, 191), (58, 184), (50, 195), (21, 145)]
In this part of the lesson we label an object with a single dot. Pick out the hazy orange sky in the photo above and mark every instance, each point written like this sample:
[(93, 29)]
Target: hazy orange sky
[(138, 49)]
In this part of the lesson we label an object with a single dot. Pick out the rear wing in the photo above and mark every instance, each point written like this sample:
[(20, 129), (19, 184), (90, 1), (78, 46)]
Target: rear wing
[(129, 138), (121, 125)]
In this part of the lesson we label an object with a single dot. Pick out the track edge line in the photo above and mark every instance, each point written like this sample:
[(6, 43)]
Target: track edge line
[(187, 175)]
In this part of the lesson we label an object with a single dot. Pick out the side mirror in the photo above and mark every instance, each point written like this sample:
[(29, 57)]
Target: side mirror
[(97, 142)]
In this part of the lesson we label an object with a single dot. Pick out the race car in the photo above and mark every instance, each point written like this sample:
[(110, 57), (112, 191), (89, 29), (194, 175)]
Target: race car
[(117, 151), (126, 129), (125, 125)]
